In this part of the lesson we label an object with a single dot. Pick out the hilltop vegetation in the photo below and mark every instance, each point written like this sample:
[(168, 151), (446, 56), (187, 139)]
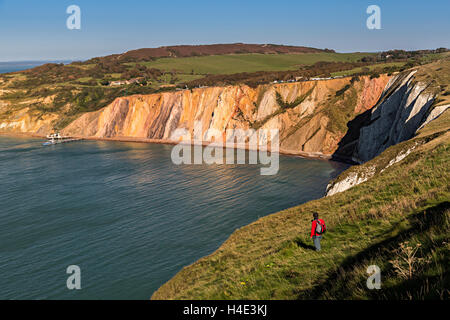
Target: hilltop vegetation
[(251, 62), (149, 54)]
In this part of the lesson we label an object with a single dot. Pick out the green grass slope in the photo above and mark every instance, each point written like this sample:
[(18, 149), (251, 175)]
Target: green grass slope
[(398, 220), (237, 63)]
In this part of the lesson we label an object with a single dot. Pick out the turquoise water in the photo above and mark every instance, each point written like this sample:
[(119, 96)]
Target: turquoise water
[(126, 215)]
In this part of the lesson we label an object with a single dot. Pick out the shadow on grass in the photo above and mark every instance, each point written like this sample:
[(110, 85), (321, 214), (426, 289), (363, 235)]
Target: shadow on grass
[(302, 244), (337, 284)]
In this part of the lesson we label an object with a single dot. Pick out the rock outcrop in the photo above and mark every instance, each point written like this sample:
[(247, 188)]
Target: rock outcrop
[(402, 109), (405, 107), (359, 174)]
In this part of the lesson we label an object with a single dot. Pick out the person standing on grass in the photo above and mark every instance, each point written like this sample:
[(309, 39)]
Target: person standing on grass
[(317, 230)]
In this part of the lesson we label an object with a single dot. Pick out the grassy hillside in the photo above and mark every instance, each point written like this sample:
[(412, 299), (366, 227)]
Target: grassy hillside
[(402, 212), (236, 63), (438, 72), (388, 66), (148, 54)]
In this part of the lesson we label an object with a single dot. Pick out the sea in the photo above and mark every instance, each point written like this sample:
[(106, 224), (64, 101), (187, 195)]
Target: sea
[(122, 218)]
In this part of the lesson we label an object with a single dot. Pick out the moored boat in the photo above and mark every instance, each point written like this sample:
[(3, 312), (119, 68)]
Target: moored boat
[(57, 138)]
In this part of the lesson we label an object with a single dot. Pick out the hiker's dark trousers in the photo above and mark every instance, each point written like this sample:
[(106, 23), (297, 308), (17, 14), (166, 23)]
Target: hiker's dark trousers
[(316, 240)]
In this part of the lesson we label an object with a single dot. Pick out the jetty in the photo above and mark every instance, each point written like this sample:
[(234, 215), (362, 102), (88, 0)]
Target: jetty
[(57, 138)]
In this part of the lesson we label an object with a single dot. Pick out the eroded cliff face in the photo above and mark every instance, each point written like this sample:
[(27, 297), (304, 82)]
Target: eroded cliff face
[(25, 122), (402, 110), (309, 127), (405, 108)]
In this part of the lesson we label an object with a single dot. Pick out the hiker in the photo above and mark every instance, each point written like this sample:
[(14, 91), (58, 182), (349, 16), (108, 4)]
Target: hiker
[(317, 230)]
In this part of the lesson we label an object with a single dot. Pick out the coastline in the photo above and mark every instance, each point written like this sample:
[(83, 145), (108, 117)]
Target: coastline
[(302, 154)]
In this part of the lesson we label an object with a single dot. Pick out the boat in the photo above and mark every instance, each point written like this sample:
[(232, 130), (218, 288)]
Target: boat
[(54, 136), (57, 138)]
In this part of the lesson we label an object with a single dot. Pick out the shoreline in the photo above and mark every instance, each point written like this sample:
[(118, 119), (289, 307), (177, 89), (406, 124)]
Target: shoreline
[(302, 154)]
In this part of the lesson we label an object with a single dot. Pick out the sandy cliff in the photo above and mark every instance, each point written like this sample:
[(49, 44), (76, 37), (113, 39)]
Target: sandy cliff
[(307, 127)]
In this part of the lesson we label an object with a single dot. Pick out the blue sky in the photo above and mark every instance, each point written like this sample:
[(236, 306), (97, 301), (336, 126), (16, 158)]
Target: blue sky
[(36, 30)]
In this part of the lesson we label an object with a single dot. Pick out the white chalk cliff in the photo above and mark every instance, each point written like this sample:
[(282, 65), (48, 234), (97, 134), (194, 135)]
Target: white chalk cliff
[(404, 108)]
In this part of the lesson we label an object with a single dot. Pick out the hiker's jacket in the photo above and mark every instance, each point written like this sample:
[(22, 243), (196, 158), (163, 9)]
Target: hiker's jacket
[(313, 228)]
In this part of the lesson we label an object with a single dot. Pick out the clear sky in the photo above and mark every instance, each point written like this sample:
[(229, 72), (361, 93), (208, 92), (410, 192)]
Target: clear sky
[(36, 30)]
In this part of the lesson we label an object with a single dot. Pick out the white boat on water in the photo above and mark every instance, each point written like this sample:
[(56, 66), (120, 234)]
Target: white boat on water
[(57, 138)]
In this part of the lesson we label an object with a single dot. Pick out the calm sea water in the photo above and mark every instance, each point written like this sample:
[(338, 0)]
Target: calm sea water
[(126, 215)]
